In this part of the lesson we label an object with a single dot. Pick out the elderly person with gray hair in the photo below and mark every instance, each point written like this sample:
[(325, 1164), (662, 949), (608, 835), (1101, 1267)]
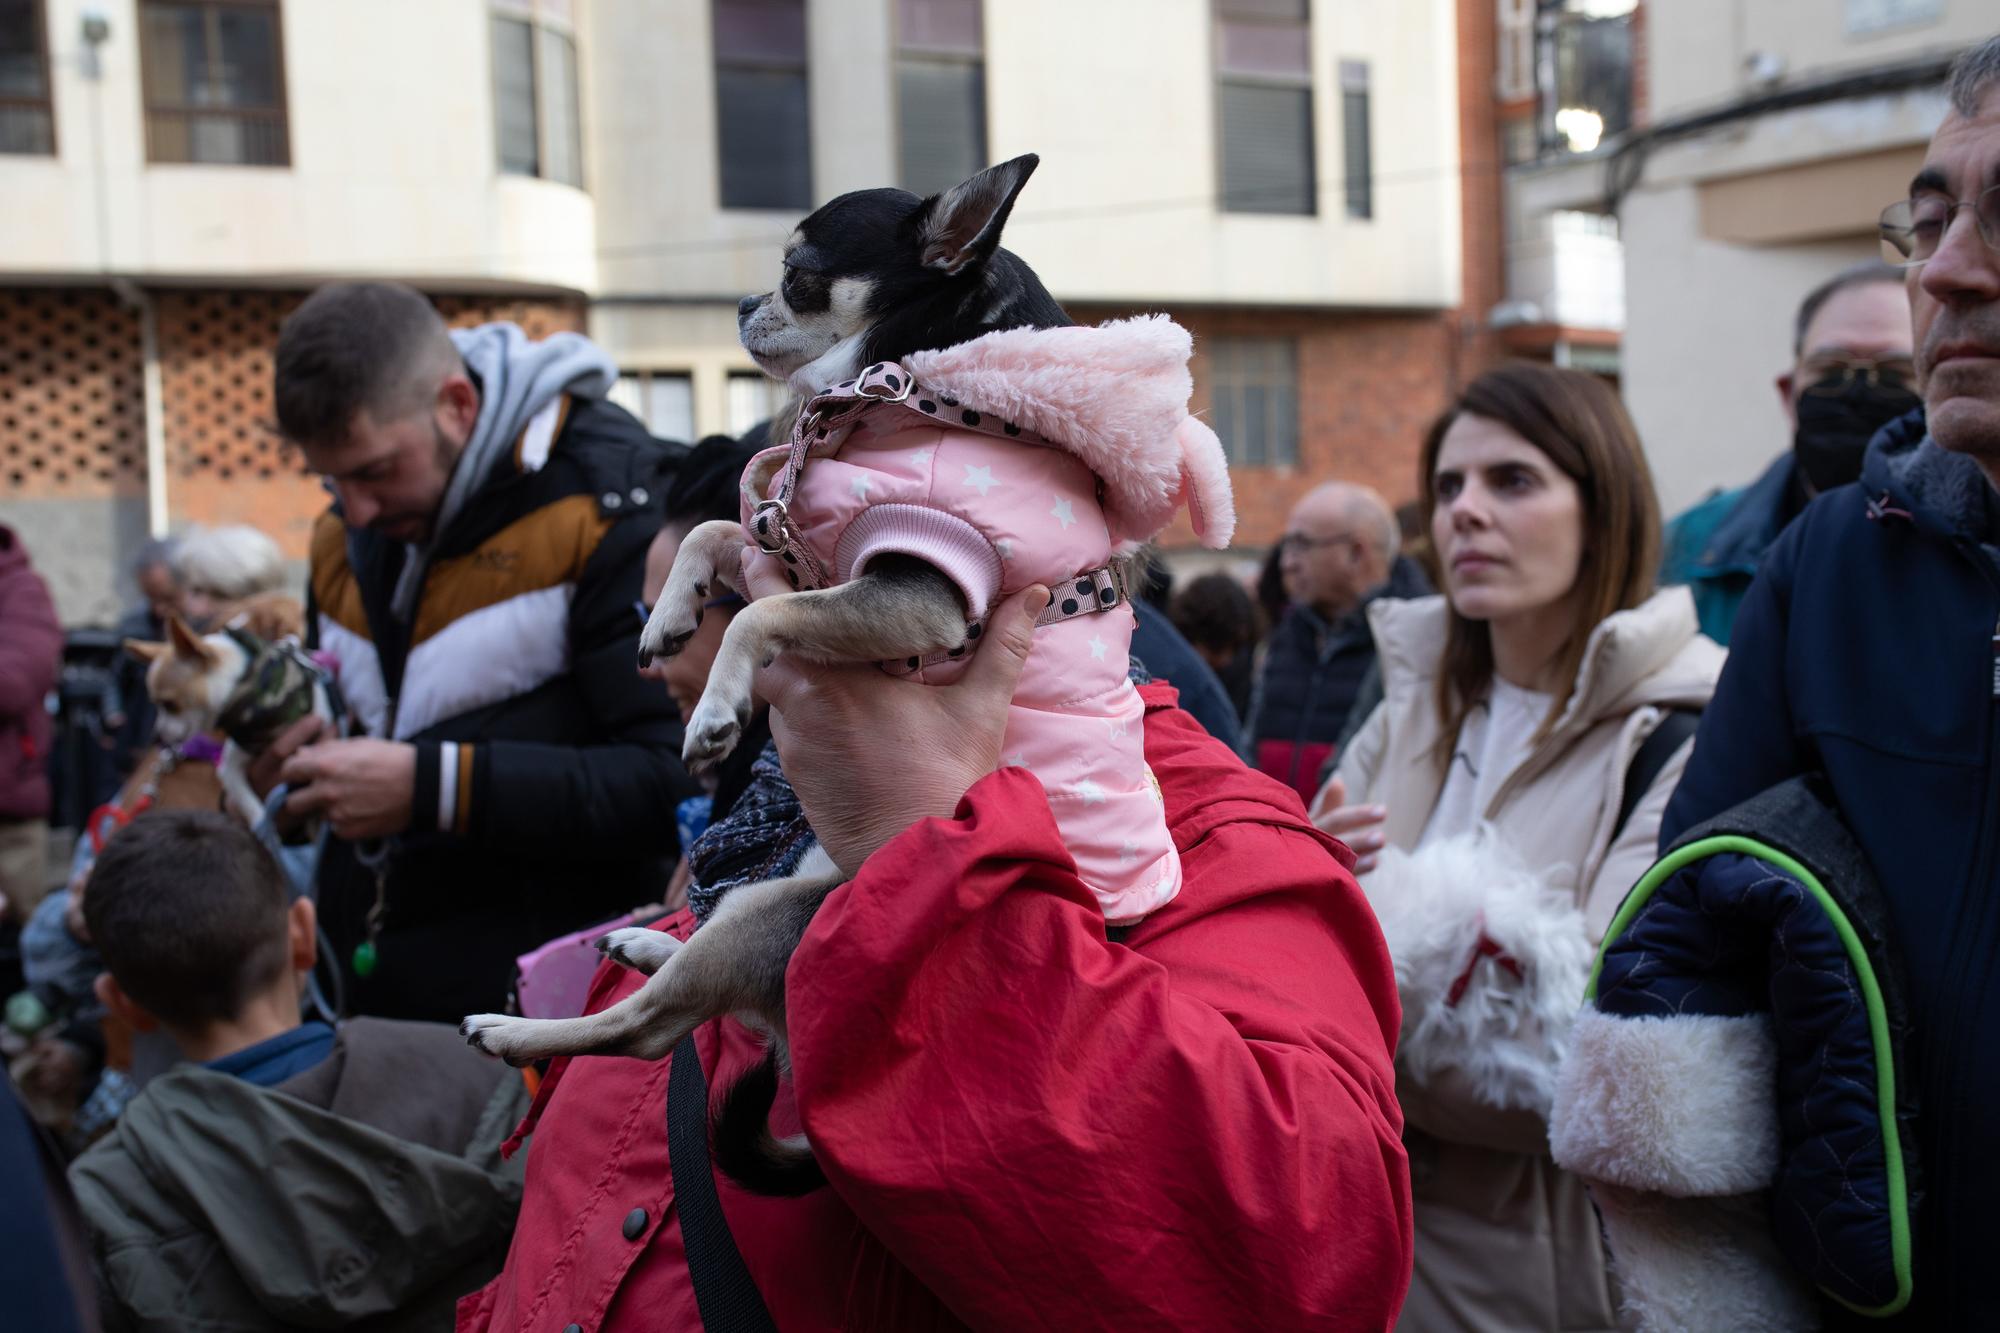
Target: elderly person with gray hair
[(1338, 553), (221, 568)]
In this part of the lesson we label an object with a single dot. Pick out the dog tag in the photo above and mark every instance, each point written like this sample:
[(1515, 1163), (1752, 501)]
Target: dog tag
[(364, 959)]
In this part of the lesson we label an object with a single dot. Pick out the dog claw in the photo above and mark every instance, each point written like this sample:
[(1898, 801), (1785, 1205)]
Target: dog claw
[(711, 735)]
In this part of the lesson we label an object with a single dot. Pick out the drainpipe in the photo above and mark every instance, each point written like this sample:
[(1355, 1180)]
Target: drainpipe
[(140, 300)]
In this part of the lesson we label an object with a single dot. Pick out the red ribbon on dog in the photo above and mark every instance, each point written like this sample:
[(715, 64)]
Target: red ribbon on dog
[(1485, 948)]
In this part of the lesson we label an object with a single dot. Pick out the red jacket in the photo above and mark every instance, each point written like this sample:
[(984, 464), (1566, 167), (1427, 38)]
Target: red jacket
[(31, 642), (1024, 1126)]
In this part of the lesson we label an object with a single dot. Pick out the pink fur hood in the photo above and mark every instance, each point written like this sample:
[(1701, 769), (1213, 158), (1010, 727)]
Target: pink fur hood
[(1116, 397)]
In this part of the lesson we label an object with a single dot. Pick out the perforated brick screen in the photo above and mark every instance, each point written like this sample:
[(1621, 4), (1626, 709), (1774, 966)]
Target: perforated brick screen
[(71, 398)]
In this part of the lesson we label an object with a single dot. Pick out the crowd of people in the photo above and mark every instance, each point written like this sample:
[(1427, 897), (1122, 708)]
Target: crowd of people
[(1413, 766)]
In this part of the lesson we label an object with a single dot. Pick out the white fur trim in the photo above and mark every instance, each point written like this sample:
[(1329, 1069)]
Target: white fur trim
[(1683, 1105), (1116, 396), (1698, 1265), (1506, 1036)]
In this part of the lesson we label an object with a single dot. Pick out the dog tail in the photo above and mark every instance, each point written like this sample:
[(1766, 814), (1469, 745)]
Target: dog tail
[(748, 1152)]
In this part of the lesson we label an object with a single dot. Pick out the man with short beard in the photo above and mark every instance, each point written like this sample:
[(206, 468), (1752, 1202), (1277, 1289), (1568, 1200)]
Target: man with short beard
[(514, 778), (1867, 651)]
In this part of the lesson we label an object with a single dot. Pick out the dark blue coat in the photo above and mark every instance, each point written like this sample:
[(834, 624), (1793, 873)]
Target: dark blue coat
[(1867, 649)]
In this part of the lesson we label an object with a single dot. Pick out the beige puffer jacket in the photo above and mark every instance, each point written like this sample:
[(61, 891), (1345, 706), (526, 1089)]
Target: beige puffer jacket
[(1505, 1241)]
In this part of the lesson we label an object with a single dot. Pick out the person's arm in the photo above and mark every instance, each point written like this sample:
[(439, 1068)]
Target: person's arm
[(1195, 1127), (31, 642), (611, 795), (1747, 741)]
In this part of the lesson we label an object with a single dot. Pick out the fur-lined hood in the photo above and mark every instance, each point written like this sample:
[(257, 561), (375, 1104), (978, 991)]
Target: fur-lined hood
[(1116, 396), (1912, 477)]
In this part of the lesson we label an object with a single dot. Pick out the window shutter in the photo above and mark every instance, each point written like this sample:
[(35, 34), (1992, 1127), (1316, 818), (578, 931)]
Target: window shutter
[(1267, 149)]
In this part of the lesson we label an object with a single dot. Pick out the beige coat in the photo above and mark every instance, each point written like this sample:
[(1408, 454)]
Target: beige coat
[(1505, 1241)]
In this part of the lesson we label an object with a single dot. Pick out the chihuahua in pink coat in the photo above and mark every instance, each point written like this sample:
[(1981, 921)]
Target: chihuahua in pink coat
[(957, 440)]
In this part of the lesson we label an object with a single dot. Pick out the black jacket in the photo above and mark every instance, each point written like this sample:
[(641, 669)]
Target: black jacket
[(1311, 677), (547, 768), (1866, 649)]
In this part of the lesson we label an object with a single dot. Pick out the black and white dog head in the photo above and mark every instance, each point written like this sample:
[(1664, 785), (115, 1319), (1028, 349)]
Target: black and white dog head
[(878, 274)]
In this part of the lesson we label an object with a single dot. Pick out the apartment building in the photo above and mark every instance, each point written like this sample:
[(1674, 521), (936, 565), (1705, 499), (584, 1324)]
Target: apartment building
[(1283, 176), (1768, 136)]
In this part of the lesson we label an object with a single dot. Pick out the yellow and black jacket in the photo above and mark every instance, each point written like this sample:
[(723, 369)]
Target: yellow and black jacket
[(547, 769)]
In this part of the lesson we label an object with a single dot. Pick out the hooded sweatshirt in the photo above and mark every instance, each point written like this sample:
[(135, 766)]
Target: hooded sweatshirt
[(518, 380)]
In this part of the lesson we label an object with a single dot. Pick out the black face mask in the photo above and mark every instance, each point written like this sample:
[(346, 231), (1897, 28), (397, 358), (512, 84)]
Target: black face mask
[(1837, 418)]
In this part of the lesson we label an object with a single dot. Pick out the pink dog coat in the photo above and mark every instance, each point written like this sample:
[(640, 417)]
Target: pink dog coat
[(1023, 457)]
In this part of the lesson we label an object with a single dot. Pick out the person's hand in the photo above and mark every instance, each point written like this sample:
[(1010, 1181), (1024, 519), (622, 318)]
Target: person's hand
[(264, 769), (1359, 826), (870, 754), (363, 787)]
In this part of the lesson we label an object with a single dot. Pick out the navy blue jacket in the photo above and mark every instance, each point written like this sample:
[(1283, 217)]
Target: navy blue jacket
[(1867, 649), (1716, 546), (1168, 657)]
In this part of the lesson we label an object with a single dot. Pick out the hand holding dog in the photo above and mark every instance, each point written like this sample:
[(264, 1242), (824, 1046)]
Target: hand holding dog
[(363, 787), (870, 754)]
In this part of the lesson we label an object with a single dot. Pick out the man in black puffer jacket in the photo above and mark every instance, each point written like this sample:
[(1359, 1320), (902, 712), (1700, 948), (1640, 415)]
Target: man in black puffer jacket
[(1867, 650), (475, 579)]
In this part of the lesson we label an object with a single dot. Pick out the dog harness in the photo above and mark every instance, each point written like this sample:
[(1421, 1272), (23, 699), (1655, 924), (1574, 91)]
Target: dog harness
[(275, 690)]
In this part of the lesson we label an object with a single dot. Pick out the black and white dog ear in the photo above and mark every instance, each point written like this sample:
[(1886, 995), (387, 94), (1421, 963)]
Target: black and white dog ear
[(962, 226)]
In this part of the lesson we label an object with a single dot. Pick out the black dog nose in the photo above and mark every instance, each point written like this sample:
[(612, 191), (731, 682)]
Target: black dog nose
[(748, 306)]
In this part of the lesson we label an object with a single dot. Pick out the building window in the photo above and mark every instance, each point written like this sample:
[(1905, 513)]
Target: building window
[(1263, 93), (663, 400), (27, 117), (763, 123), (214, 77), (1514, 81), (1587, 44), (940, 92), (535, 118), (1354, 139), (1253, 393), (752, 399)]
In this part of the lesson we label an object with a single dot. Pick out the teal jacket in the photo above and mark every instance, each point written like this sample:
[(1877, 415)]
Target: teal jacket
[(1716, 546)]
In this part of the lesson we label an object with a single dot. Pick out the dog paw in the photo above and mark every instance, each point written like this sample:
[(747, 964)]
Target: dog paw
[(673, 623), (495, 1034), (711, 734), (638, 948)]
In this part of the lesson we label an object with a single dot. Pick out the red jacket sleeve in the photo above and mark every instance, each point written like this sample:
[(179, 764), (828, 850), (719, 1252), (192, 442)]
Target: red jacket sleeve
[(31, 643), (1196, 1127)]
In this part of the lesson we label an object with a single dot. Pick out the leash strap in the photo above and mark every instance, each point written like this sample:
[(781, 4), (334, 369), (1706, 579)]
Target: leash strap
[(723, 1289), (824, 424)]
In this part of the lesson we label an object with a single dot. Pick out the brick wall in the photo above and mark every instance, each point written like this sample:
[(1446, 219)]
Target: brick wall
[(73, 432), (1369, 386)]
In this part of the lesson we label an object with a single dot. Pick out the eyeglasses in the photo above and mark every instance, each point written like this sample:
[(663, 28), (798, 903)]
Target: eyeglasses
[(1833, 373), (1299, 541), (728, 599), (1913, 228)]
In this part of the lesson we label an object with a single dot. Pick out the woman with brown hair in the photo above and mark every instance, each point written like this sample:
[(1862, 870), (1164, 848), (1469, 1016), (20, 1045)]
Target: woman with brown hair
[(1491, 785)]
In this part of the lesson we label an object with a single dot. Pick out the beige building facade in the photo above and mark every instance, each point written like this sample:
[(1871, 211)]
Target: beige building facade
[(1815, 115), (1285, 176)]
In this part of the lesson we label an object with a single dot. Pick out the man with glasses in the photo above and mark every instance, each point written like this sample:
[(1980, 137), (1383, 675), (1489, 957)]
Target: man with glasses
[(1338, 553), (1868, 651), (1851, 374)]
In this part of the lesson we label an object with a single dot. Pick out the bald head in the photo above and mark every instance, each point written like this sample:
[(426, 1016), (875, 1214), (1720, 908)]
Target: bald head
[(1337, 547)]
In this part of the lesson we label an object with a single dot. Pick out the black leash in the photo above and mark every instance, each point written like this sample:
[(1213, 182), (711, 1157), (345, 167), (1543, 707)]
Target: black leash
[(723, 1290), (1676, 729)]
